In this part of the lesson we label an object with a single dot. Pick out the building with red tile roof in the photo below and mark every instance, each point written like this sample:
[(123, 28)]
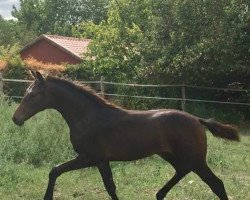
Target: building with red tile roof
[(56, 49)]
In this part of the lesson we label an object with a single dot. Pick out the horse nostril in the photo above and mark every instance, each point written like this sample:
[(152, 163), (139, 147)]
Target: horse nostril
[(16, 121)]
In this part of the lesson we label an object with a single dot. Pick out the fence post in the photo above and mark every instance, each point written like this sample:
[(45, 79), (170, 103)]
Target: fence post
[(102, 87), (1, 84), (183, 94)]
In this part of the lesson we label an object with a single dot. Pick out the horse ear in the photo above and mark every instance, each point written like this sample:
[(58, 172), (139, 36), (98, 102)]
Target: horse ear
[(39, 77), (33, 73)]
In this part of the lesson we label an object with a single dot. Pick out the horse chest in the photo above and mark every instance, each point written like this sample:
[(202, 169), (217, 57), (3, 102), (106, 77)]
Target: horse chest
[(78, 140), (83, 141)]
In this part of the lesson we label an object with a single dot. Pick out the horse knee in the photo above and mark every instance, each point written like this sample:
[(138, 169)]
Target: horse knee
[(54, 173)]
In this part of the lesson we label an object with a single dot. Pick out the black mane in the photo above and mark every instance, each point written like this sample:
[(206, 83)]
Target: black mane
[(81, 89)]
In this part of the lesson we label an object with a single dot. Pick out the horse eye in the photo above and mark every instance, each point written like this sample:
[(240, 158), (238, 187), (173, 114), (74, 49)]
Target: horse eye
[(32, 95)]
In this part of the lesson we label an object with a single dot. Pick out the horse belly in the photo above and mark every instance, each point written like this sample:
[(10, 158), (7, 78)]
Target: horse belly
[(129, 146), (128, 154)]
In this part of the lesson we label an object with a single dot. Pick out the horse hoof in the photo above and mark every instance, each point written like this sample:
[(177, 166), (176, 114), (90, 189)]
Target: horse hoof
[(160, 196)]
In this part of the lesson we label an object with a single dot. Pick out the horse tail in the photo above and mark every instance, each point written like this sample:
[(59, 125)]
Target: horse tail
[(224, 131)]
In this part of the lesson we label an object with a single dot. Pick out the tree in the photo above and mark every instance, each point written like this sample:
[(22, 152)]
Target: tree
[(173, 41), (58, 16), (115, 45), (7, 32)]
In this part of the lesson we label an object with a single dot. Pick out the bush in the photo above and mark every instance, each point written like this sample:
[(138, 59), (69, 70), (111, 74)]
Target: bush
[(224, 113), (2, 65), (42, 139), (13, 67), (15, 70), (82, 71), (48, 68)]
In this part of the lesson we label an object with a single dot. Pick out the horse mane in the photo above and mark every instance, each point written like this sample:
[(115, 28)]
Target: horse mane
[(81, 89)]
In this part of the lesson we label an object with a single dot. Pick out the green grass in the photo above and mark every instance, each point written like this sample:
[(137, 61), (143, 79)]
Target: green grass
[(135, 180), (28, 153)]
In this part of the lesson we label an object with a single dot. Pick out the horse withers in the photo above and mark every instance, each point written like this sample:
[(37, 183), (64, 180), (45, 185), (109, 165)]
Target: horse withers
[(101, 132)]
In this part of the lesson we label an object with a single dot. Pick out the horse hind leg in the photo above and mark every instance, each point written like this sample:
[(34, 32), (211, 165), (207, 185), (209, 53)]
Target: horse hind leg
[(107, 177), (179, 174), (169, 185), (216, 185)]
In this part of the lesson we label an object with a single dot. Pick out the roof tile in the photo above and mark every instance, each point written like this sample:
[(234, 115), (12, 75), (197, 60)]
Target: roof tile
[(73, 45)]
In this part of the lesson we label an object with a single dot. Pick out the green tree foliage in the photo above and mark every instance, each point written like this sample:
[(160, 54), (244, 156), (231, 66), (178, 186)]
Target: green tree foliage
[(115, 45), (7, 32), (8, 52), (173, 41), (205, 39), (58, 16)]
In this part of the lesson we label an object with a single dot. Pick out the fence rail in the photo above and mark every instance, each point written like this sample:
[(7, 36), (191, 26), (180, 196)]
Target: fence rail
[(102, 85)]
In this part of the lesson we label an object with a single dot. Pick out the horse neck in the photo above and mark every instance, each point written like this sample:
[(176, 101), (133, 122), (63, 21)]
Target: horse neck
[(72, 106)]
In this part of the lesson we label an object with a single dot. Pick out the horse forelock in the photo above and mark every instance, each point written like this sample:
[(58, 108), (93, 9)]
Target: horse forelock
[(77, 88)]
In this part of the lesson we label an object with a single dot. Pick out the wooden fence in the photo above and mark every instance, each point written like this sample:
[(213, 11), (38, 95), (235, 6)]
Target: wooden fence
[(103, 84)]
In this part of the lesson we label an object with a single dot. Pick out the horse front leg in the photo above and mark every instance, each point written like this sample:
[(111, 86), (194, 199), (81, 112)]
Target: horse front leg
[(107, 177), (76, 163)]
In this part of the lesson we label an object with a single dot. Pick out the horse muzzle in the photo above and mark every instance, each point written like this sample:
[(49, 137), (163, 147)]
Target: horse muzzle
[(17, 121)]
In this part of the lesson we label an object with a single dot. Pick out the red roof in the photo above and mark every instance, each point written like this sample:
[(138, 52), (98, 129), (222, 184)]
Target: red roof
[(74, 46)]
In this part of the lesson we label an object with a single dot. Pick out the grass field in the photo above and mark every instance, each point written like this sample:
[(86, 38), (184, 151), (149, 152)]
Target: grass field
[(28, 153)]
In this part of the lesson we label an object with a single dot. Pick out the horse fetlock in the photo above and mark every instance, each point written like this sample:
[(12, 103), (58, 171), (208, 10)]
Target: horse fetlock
[(48, 197), (160, 195)]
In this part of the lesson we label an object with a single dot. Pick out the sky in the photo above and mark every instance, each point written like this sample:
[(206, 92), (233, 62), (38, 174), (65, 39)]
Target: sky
[(6, 8)]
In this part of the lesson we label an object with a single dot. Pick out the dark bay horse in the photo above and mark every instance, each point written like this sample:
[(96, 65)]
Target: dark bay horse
[(101, 132)]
